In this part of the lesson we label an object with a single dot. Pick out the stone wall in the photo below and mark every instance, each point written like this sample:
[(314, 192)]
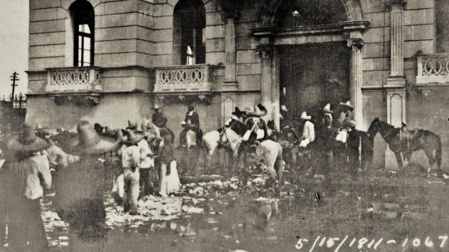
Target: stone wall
[(114, 111)]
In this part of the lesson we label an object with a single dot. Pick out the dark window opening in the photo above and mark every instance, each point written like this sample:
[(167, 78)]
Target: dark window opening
[(83, 18), (189, 27)]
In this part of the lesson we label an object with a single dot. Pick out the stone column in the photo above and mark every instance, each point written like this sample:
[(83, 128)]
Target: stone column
[(356, 84), (230, 70), (266, 53)]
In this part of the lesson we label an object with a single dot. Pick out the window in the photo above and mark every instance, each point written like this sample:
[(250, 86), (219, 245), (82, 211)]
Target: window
[(189, 23), (83, 19)]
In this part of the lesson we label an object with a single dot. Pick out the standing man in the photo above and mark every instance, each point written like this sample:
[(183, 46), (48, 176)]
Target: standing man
[(132, 156), (23, 178), (353, 144), (308, 136), (81, 186), (191, 122)]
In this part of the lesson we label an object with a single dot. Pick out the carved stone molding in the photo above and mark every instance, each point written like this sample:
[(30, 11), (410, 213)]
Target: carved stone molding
[(355, 42), (265, 51), (84, 100)]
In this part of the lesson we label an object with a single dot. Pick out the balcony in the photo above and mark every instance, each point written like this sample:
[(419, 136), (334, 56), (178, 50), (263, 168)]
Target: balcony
[(193, 79), (433, 68), (73, 80)]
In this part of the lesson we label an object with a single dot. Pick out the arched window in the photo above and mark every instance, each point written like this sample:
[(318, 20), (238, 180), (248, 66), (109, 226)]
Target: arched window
[(83, 20), (189, 23)]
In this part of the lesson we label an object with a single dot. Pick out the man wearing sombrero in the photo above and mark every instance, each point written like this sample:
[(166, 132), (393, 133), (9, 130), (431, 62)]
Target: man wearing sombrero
[(80, 188), (132, 156), (308, 136), (23, 178), (345, 113)]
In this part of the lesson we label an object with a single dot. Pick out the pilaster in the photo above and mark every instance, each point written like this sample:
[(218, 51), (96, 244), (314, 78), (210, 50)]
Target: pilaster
[(396, 95)]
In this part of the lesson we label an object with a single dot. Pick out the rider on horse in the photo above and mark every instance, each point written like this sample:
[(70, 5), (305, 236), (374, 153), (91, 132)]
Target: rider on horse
[(191, 122), (160, 120)]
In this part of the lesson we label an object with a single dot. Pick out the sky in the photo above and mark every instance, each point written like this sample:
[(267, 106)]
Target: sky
[(13, 44)]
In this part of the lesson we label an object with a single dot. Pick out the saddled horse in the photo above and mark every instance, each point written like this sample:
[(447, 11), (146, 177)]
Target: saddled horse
[(424, 140), (229, 136), (266, 150)]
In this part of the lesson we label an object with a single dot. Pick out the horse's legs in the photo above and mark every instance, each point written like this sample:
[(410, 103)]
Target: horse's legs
[(430, 157), (399, 160)]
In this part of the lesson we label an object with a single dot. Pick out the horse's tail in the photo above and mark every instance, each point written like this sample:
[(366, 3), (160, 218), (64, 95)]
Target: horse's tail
[(438, 152)]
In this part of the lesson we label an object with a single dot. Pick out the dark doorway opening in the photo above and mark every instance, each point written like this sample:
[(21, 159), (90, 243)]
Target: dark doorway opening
[(313, 75)]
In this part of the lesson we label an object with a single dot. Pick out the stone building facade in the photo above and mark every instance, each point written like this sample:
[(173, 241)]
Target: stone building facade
[(112, 60)]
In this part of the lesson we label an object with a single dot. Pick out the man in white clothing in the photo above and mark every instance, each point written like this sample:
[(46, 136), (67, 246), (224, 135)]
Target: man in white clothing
[(308, 136)]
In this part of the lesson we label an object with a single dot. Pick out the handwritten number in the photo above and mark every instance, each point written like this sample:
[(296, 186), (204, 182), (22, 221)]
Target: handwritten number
[(444, 239), (362, 242), (416, 242), (428, 242)]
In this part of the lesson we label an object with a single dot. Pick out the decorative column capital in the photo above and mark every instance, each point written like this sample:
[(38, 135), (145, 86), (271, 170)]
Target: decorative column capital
[(234, 15), (400, 3), (265, 51), (355, 42)]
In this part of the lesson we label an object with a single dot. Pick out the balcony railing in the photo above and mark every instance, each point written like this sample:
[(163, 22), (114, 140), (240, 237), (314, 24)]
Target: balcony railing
[(433, 69), (183, 79), (74, 79)]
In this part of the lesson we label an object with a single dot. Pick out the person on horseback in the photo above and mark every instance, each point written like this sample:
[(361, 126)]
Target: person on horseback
[(191, 122), (158, 118)]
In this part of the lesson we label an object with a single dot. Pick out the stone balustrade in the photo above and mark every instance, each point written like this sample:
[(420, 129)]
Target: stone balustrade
[(73, 79), (433, 68), (183, 79)]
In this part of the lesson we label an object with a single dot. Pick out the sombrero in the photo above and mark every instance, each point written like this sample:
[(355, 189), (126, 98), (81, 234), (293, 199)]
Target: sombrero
[(89, 141), (156, 107), (132, 125), (347, 105), (257, 111), (304, 116), (131, 137), (327, 109), (237, 112), (26, 141)]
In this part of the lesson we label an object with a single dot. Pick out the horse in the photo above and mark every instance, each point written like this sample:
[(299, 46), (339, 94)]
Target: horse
[(266, 150), (423, 140), (229, 136)]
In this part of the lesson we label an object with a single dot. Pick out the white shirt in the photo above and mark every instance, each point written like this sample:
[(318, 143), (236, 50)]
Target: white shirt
[(308, 132), (147, 162)]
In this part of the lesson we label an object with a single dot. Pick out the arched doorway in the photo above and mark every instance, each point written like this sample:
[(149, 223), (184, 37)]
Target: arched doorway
[(295, 23), (314, 73)]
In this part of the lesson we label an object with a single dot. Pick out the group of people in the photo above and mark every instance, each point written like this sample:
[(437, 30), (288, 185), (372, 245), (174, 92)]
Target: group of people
[(326, 136), (80, 166)]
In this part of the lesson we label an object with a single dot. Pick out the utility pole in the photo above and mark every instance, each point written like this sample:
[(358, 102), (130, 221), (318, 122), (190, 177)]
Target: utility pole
[(14, 78)]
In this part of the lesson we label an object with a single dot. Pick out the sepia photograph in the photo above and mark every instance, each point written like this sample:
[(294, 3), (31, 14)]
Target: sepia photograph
[(224, 125)]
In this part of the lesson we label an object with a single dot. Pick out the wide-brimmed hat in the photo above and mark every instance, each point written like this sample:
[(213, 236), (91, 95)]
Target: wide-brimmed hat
[(156, 107), (237, 112), (132, 125), (327, 109), (257, 111), (131, 137), (347, 105), (89, 141), (26, 141), (304, 116)]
